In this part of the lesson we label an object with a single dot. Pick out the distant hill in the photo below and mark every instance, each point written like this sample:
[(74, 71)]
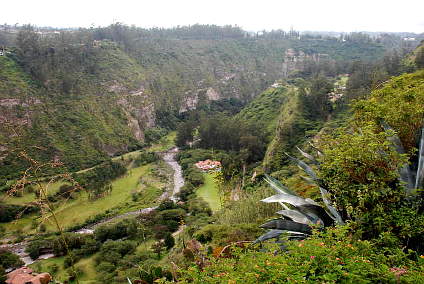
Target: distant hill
[(85, 95)]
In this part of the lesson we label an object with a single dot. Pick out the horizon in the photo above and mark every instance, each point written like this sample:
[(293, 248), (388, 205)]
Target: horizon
[(190, 25), (304, 15)]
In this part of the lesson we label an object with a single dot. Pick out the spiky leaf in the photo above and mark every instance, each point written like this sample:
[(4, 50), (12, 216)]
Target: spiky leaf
[(271, 234), (305, 167), (420, 171), (278, 186), (290, 199), (287, 225), (307, 156), (333, 211), (295, 216)]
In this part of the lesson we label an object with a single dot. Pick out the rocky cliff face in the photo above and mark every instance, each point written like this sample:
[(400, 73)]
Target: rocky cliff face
[(139, 111), (84, 102), (295, 60)]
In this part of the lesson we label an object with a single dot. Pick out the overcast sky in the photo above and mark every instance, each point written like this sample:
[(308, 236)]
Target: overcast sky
[(317, 15)]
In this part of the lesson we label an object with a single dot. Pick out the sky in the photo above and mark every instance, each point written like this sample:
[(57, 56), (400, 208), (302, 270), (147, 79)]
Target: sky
[(312, 15)]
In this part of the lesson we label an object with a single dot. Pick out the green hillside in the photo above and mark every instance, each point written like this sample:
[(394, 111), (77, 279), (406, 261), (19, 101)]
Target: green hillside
[(86, 95)]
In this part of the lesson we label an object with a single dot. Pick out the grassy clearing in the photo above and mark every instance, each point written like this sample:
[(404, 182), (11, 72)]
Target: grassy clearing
[(88, 267), (143, 180), (27, 197), (210, 193), (47, 264), (165, 143), (127, 156), (85, 265), (77, 211)]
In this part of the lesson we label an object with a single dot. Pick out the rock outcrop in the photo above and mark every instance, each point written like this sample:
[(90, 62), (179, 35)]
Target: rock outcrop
[(26, 275)]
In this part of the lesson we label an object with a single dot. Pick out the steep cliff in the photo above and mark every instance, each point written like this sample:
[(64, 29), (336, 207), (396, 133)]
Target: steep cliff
[(80, 97)]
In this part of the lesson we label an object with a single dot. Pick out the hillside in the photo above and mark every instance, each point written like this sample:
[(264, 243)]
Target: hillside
[(123, 199), (88, 95), (363, 166)]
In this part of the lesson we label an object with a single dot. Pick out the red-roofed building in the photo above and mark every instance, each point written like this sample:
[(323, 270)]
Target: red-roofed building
[(209, 165)]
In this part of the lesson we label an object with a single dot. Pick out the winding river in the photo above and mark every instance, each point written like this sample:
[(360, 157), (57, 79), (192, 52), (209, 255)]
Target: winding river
[(178, 183)]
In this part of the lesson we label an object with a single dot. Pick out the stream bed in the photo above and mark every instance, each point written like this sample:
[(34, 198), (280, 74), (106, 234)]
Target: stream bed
[(178, 183)]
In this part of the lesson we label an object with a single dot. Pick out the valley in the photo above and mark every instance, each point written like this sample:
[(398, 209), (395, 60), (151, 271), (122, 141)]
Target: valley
[(208, 154)]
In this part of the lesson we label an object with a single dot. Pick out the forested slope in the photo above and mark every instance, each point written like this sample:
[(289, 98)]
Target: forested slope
[(84, 95)]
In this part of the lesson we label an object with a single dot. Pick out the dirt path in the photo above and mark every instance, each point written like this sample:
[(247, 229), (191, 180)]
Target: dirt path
[(178, 183), (169, 158)]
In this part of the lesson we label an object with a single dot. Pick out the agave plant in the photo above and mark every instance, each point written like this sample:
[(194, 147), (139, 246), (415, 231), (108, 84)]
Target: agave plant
[(412, 180), (300, 214)]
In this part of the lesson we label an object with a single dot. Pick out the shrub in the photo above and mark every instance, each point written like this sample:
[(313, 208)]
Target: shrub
[(169, 241), (66, 190), (9, 212), (328, 257), (34, 248), (166, 205), (113, 251), (145, 158), (80, 242), (9, 260), (360, 170), (198, 206), (125, 228), (225, 234), (154, 134)]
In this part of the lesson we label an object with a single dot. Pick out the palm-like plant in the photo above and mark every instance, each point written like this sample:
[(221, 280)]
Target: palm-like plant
[(300, 214)]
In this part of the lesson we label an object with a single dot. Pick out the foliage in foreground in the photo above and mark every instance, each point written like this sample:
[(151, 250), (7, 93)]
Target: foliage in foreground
[(330, 257)]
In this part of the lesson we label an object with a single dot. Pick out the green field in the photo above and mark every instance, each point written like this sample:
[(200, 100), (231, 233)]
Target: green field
[(77, 211), (143, 180), (165, 143), (210, 193), (51, 189), (86, 266), (71, 212)]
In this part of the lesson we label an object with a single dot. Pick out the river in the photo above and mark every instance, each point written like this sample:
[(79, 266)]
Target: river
[(178, 183)]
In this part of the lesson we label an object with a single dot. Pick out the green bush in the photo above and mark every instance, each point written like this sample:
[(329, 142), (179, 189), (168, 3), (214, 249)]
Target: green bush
[(80, 244), (225, 234), (145, 158), (125, 228), (34, 248), (154, 134), (198, 206), (360, 170), (329, 257), (113, 251), (10, 212), (9, 260)]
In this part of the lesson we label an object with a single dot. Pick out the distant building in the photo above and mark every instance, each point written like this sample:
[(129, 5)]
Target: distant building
[(209, 165)]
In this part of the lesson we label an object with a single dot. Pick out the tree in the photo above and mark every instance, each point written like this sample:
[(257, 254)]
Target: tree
[(184, 133), (158, 247), (169, 241), (419, 57), (3, 275), (316, 101)]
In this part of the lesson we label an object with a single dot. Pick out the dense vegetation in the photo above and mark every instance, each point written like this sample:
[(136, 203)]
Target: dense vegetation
[(364, 170), (85, 96)]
